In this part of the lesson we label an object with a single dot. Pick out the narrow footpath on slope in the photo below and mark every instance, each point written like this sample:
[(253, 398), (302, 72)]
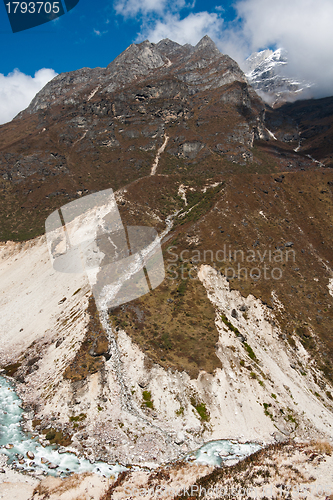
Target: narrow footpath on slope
[(159, 152)]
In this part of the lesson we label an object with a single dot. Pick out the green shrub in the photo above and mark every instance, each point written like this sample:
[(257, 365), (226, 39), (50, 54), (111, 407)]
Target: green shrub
[(166, 341), (180, 411), (147, 401), (201, 409), (50, 434), (230, 325), (181, 288), (78, 418), (249, 351)]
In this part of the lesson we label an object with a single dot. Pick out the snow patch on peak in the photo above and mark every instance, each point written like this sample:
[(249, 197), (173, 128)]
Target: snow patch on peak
[(255, 59), (266, 72), (265, 63)]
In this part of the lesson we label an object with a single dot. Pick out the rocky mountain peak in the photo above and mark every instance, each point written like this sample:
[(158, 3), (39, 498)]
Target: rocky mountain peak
[(200, 67), (138, 59), (149, 92), (167, 46), (207, 43), (173, 50), (255, 59)]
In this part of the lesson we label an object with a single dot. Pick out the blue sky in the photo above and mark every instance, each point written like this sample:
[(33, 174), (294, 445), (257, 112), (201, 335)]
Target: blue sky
[(93, 34)]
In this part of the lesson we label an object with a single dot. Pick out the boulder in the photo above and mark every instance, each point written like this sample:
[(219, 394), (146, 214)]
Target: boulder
[(53, 466), (180, 438)]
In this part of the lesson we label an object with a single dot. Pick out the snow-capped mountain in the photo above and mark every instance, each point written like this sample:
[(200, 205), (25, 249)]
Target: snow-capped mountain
[(267, 72)]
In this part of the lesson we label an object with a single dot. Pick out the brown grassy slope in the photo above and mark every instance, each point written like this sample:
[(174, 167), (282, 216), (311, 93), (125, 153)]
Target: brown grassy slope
[(250, 213), (174, 324)]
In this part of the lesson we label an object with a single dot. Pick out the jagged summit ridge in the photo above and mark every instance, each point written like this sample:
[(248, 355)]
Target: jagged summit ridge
[(173, 50), (201, 66)]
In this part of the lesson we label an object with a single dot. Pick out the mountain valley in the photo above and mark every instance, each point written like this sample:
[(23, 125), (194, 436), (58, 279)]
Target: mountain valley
[(236, 343)]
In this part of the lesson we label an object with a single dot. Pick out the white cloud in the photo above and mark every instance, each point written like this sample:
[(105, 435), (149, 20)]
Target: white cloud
[(18, 89), (188, 30), (302, 27), (100, 33), (131, 8)]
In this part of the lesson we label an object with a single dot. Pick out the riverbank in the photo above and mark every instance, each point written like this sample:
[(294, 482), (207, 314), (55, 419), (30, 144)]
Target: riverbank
[(285, 470), (19, 486)]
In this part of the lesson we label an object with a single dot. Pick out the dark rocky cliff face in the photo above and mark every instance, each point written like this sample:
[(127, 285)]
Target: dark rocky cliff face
[(310, 120)]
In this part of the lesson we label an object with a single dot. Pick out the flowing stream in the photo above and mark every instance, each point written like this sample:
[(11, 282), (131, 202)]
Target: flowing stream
[(16, 443), (50, 460), (225, 450)]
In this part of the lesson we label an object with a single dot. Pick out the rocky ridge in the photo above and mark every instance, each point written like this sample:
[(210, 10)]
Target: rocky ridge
[(201, 67)]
